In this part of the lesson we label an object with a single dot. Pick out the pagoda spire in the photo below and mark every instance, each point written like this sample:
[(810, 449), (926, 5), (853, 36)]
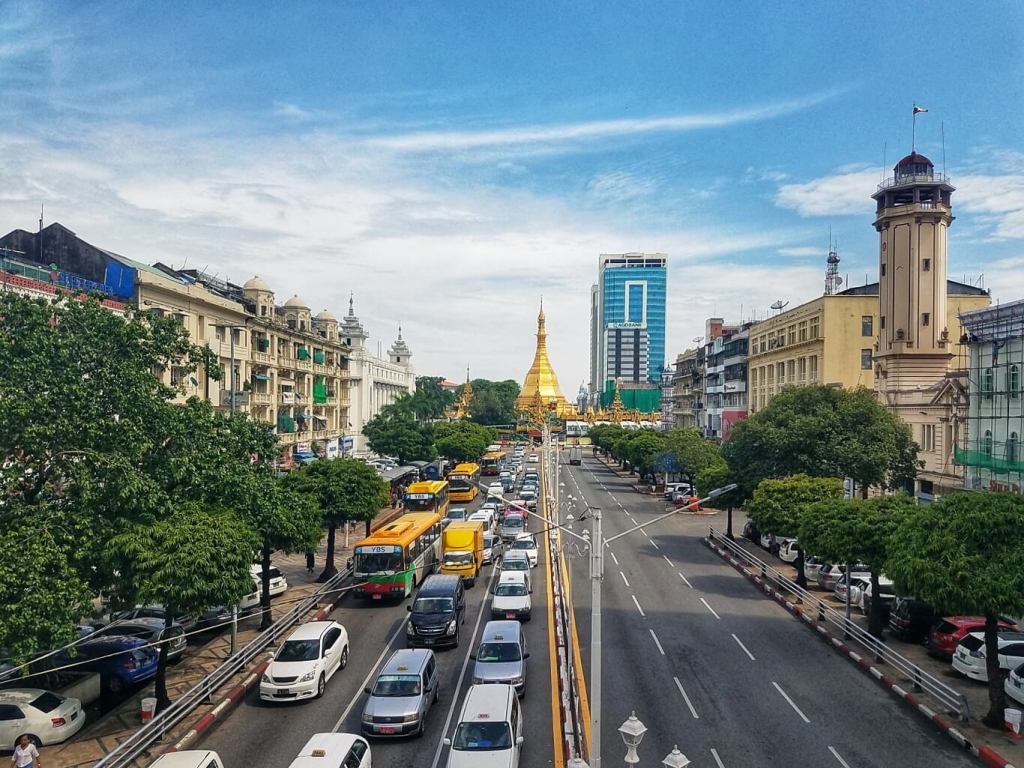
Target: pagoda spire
[(541, 379)]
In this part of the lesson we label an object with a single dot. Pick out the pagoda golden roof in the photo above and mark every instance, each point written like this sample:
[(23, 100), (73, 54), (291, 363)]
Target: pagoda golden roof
[(541, 379)]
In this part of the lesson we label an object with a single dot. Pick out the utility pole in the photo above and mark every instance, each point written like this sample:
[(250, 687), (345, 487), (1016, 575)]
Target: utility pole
[(596, 578)]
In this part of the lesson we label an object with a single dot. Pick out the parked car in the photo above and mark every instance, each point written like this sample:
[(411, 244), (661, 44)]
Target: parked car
[(404, 691), (121, 661), (788, 550), (910, 619), (812, 565), (947, 633), (152, 631), (969, 659), (304, 663), (1014, 685), (830, 573), (525, 542), (154, 612), (45, 717), (278, 583), (855, 585), (671, 488), (887, 592)]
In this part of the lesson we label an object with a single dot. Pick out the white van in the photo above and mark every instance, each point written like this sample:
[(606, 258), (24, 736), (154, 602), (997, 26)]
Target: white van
[(334, 750), (189, 758), (490, 729)]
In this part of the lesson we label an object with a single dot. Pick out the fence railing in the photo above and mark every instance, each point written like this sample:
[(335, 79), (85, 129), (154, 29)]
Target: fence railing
[(948, 697), (141, 740)]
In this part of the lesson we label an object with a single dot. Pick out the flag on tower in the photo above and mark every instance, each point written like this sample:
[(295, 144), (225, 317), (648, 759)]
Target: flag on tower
[(918, 110)]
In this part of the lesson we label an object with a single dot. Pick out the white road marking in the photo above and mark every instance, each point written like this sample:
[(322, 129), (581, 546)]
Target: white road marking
[(644, 533), (371, 673), (637, 602), (718, 760), (744, 648), (709, 608), (686, 699), (668, 561), (613, 557), (624, 578), (685, 580), (837, 757), (631, 519), (791, 703), (657, 642), (655, 544)]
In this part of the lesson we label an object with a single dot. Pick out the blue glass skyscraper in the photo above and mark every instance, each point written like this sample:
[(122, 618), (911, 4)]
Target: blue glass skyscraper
[(629, 295)]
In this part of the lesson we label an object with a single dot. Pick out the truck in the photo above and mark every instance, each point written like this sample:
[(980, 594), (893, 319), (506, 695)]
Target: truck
[(575, 454), (462, 550)]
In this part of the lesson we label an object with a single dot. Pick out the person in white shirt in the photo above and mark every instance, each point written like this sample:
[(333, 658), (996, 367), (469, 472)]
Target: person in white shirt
[(25, 754)]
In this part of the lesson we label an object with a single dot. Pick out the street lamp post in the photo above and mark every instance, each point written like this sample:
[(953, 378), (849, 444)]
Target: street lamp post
[(632, 732)]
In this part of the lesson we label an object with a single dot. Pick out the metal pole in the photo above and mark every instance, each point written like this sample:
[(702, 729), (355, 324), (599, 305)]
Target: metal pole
[(596, 576), (234, 629), (231, 330)]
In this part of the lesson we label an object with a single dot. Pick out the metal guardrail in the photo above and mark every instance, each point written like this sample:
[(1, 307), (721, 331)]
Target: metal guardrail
[(950, 698), (141, 740)]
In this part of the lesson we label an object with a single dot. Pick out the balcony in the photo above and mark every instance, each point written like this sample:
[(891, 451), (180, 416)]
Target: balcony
[(262, 398), (922, 178), (262, 357)]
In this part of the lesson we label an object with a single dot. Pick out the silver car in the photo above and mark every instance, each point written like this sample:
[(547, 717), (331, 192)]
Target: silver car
[(403, 693), (492, 547), (501, 656)]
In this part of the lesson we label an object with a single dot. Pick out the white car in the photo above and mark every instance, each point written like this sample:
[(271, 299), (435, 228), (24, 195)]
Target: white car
[(525, 542), (46, 717), (969, 658), (1014, 685), (787, 551), (305, 662), (278, 583), (515, 562), (512, 597), (486, 516), (533, 458)]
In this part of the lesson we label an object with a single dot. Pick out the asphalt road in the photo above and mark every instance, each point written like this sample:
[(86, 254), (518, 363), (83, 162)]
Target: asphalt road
[(711, 665), (260, 735)]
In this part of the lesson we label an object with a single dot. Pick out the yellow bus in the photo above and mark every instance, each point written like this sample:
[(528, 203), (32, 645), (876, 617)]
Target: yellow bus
[(463, 482), (427, 496), (394, 559), (491, 462)]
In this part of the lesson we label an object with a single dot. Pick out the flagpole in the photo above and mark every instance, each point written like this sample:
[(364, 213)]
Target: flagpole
[(913, 131)]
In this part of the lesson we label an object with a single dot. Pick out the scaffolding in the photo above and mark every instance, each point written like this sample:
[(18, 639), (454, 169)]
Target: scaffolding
[(992, 353)]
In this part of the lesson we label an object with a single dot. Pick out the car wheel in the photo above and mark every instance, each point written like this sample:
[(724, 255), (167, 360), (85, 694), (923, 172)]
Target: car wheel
[(344, 658), (320, 686), (32, 738)]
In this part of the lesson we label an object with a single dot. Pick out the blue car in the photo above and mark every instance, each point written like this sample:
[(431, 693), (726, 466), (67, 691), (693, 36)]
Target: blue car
[(133, 662)]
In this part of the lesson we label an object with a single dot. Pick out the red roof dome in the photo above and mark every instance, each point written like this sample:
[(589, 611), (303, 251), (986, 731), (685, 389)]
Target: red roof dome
[(914, 159)]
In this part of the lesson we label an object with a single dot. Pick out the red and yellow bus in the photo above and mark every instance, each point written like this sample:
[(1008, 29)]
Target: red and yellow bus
[(394, 559), (463, 482), (427, 496), (491, 462)]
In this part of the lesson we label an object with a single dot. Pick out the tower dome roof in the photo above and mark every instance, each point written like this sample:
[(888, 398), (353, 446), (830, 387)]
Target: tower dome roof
[(325, 315), (296, 303), (914, 159), (256, 283)]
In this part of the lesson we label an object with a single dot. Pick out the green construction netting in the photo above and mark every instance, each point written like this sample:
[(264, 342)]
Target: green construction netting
[(319, 390), (968, 458)]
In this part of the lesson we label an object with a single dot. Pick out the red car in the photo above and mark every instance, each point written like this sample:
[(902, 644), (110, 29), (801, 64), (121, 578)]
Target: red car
[(949, 631)]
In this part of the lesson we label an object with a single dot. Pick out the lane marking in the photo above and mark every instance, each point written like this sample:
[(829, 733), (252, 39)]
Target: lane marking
[(624, 579), (792, 703), (655, 544), (709, 607), (645, 534), (637, 603), (657, 642), (744, 648), (718, 760), (372, 672), (685, 579), (837, 757), (613, 557), (686, 699), (668, 561), (632, 519)]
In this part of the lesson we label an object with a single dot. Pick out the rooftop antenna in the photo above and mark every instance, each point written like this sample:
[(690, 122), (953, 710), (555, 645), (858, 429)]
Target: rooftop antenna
[(832, 278), (913, 131), (40, 217), (780, 305), (942, 130), (885, 151)]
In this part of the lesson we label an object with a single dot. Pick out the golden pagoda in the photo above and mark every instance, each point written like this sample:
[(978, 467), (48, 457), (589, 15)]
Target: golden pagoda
[(541, 383), (461, 408)]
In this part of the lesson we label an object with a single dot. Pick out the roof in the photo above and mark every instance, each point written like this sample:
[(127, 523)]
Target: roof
[(438, 582), (512, 577), (256, 283), (485, 699), (187, 758), (337, 744), (953, 288), (327, 316), (913, 159), (311, 630), (411, 659), (295, 302), (504, 627)]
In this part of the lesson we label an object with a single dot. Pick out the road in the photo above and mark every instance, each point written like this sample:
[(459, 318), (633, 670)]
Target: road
[(711, 665), (257, 735)]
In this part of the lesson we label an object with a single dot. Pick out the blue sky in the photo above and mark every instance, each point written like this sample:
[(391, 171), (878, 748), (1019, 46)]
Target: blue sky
[(450, 162)]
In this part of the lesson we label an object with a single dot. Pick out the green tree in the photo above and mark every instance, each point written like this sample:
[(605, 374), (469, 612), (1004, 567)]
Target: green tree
[(344, 490), (693, 452), (856, 531), (191, 560), (965, 554), (494, 402), (641, 448), (462, 440), (778, 506), (825, 432), (396, 432), (431, 400), (604, 435), (715, 476)]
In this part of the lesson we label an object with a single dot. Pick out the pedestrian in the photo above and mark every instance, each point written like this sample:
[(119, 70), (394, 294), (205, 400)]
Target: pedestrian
[(25, 754), (310, 560)]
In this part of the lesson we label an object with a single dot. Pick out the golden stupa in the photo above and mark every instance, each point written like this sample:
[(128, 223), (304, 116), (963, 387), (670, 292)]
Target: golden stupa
[(541, 383)]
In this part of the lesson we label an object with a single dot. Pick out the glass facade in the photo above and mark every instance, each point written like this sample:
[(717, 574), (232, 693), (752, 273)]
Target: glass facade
[(637, 295)]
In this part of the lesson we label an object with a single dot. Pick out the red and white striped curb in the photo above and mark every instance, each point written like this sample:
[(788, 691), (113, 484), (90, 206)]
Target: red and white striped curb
[(233, 697), (989, 756)]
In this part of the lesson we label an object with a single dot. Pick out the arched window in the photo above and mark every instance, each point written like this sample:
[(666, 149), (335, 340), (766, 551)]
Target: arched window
[(987, 383), (1013, 380), (986, 443), (1012, 448)]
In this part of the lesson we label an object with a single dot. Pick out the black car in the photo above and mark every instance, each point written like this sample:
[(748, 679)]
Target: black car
[(436, 614), (910, 619)]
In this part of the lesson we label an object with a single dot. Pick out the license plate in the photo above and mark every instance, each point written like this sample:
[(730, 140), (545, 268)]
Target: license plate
[(74, 715), (284, 692), (386, 729), (376, 597), (510, 615)]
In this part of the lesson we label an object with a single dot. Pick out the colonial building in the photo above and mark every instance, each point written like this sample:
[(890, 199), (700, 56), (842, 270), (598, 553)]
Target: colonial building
[(687, 389), (725, 381)]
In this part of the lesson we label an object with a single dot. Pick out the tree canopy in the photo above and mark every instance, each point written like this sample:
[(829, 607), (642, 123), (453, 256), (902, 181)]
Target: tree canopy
[(494, 402), (462, 440), (825, 432), (693, 452), (396, 431)]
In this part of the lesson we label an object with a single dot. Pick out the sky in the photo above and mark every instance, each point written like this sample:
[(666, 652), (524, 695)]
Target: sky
[(449, 163)]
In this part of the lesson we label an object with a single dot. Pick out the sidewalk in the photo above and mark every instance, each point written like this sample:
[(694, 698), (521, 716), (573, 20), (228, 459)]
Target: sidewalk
[(97, 738)]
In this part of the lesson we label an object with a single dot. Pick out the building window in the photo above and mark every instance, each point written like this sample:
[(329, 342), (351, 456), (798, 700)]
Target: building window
[(792, 334), (883, 269), (926, 318), (791, 371), (987, 383), (986, 443), (865, 359), (802, 330), (867, 325), (927, 437), (1013, 380), (814, 328), (780, 373), (1011, 448), (881, 322), (803, 369), (926, 265), (814, 367)]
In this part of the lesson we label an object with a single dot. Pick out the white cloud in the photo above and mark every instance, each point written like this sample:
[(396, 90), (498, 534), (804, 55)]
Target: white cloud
[(802, 251), (619, 187), (292, 111), (844, 194)]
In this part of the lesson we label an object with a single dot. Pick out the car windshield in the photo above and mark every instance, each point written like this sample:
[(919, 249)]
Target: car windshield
[(378, 562), (432, 605), (420, 505), (458, 558), (523, 544), (510, 590), (512, 522), (482, 736), (498, 652), (299, 650), (515, 564), (397, 685)]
